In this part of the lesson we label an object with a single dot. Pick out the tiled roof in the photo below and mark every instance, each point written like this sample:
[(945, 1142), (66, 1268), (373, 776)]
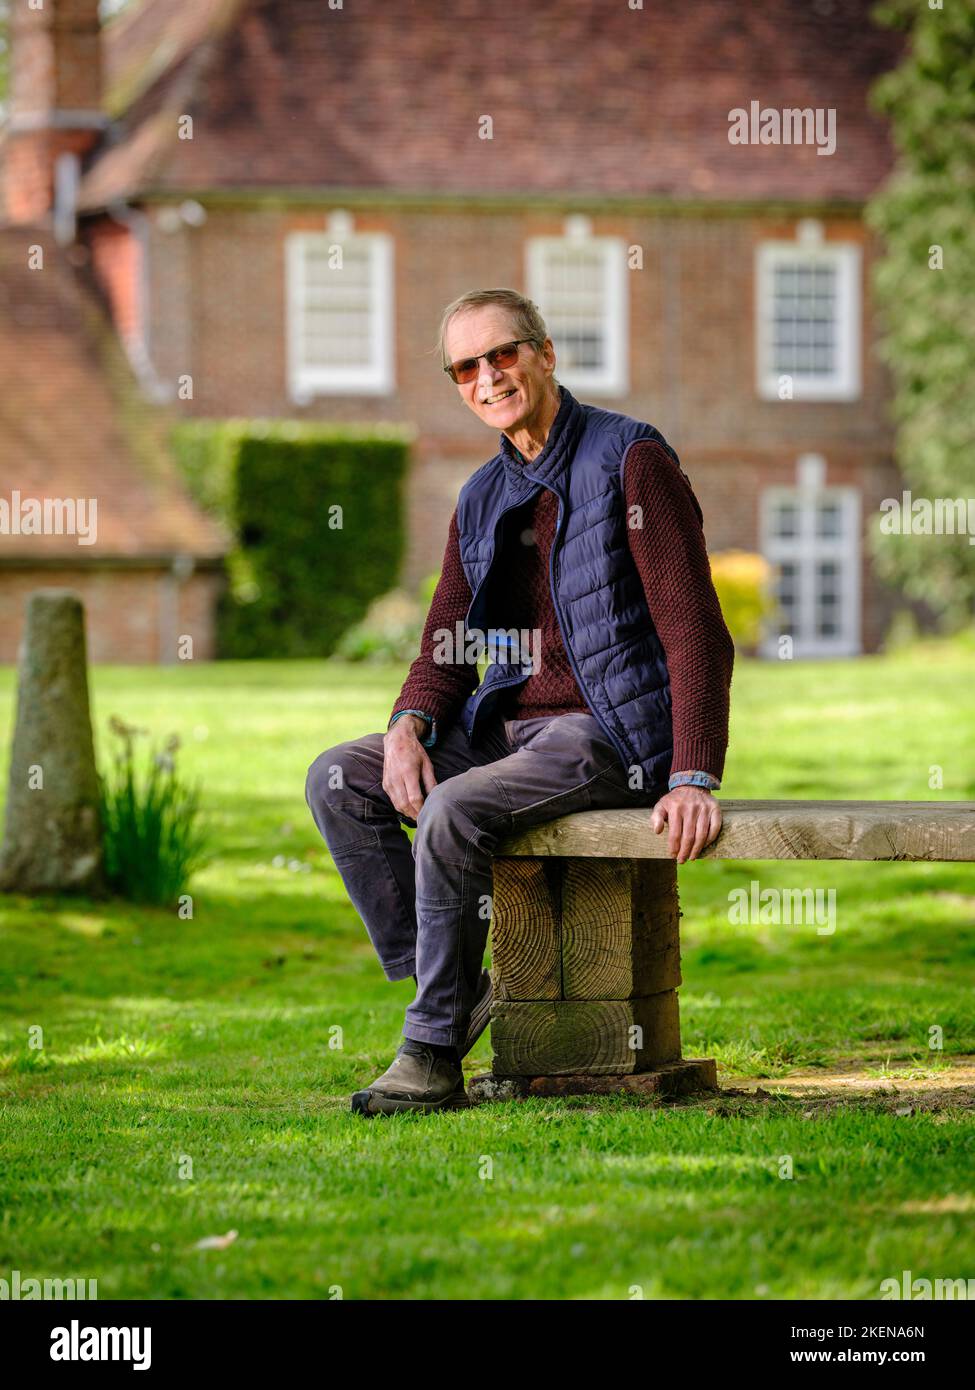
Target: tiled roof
[(587, 97), (74, 425)]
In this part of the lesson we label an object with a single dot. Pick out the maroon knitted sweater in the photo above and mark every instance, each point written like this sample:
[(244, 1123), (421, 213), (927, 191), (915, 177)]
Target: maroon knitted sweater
[(670, 554)]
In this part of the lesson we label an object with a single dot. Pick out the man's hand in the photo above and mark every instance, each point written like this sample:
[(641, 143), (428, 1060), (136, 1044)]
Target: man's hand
[(407, 771), (694, 817)]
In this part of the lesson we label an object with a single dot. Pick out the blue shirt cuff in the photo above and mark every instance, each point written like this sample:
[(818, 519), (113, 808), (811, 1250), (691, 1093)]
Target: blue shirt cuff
[(693, 779)]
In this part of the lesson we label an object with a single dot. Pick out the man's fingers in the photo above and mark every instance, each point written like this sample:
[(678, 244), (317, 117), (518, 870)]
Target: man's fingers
[(689, 829), (699, 832), (414, 795), (692, 825), (419, 784), (677, 823), (426, 771), (408, 779), (401, 796)]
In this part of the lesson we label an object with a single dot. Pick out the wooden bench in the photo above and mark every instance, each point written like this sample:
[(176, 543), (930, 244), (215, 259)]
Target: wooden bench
[(586, 941)]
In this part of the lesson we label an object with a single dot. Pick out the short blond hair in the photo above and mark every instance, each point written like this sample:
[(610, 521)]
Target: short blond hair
[(526, 320)]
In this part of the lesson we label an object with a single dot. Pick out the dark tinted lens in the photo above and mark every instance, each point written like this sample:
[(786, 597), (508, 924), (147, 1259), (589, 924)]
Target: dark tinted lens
[(464, 371), (504, 356)]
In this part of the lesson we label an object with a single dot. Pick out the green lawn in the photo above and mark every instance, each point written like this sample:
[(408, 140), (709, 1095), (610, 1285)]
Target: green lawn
[(187, 1085)]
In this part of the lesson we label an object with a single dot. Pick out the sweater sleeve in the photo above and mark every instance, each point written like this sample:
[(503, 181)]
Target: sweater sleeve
[(670, 553), (437, 687)]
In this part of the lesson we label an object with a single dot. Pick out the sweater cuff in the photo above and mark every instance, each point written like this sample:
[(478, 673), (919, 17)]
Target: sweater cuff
[(699, 755)]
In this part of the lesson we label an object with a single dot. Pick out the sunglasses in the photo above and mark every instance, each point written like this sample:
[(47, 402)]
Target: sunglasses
[(504, 356)]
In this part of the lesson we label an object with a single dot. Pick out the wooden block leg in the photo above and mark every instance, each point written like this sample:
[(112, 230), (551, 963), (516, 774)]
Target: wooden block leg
[(620, 928), (526, 929), (600, 1036), (586, 956)]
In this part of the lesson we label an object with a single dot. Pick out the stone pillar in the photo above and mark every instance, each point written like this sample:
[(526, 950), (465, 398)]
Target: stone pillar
[(53, 838)]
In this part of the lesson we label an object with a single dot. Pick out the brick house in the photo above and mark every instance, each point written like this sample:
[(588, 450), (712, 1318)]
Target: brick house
[(89, 497), (83, 457), (277, 199)]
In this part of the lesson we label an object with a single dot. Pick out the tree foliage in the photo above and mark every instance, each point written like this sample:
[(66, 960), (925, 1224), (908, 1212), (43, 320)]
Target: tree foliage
[(925, 286)]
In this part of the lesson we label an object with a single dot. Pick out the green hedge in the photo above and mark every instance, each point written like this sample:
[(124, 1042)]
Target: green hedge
[(318, 516)]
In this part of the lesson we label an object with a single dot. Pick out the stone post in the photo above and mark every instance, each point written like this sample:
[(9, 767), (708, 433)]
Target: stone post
[(53, 836)]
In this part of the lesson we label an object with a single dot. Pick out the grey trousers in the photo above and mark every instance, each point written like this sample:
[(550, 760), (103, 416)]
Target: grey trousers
[(427, 906)]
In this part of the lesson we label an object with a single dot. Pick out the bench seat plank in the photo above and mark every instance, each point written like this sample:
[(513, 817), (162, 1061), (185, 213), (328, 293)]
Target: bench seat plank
[(936, 831)]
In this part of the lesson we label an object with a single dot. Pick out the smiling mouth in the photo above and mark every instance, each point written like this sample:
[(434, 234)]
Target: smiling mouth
[(501, 396)]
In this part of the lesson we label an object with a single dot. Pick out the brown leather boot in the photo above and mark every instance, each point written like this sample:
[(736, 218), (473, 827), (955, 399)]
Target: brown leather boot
[(415, 1080)]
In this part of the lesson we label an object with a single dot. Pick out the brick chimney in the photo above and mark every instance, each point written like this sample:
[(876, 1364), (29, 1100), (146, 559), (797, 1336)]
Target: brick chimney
[(55, 100)]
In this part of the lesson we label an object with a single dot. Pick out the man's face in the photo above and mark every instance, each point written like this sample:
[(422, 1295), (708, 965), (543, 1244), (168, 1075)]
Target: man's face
[(507, 399)]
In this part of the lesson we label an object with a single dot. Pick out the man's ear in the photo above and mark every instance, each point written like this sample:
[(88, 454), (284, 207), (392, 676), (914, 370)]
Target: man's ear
[(548, 353)]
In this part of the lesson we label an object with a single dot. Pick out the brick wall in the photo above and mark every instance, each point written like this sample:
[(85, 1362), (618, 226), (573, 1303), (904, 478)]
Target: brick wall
[(132, 616), (27, 165), (56, 67), (58, 57), (217, 295), (691, 321)]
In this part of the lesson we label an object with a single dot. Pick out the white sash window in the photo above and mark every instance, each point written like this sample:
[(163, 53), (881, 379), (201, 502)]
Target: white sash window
[(340, 314), (808, 320), (579, 284)]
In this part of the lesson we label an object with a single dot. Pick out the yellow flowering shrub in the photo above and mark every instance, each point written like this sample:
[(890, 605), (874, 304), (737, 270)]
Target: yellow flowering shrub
[(742, 580)]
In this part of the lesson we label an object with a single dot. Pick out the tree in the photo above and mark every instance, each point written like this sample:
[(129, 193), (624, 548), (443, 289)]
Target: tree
[(925, 286)]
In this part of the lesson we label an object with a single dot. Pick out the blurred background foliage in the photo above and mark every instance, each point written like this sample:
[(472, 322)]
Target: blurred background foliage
[(926, 216)]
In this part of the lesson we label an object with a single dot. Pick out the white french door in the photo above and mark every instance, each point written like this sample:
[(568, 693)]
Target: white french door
[(811, 537)]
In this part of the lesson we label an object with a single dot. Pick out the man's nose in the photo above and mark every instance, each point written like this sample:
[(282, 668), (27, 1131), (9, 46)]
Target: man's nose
[(488, 375)]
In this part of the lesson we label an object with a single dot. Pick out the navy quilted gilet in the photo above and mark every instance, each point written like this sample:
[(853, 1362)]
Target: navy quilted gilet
[(616, 655)]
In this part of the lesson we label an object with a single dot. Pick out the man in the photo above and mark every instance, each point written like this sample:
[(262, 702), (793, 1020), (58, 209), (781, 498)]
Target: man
[(583, 531)]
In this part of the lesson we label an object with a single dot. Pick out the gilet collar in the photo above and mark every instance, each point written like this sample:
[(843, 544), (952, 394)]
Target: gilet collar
[(555, 457)]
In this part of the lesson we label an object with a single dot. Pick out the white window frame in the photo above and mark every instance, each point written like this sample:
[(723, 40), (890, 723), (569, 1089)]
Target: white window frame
[(842, 384), (805, 550), (307, 380), (613, 378)]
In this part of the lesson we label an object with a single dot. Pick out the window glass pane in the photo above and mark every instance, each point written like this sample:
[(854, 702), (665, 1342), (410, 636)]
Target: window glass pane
[(828, 575), (812, 573), (575, 305), (785, 520), (803, 318), (787, 596), (829, 520), (339, 308)]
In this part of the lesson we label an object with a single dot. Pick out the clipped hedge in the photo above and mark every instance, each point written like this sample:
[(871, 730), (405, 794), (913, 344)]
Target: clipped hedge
[(318, 514)]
